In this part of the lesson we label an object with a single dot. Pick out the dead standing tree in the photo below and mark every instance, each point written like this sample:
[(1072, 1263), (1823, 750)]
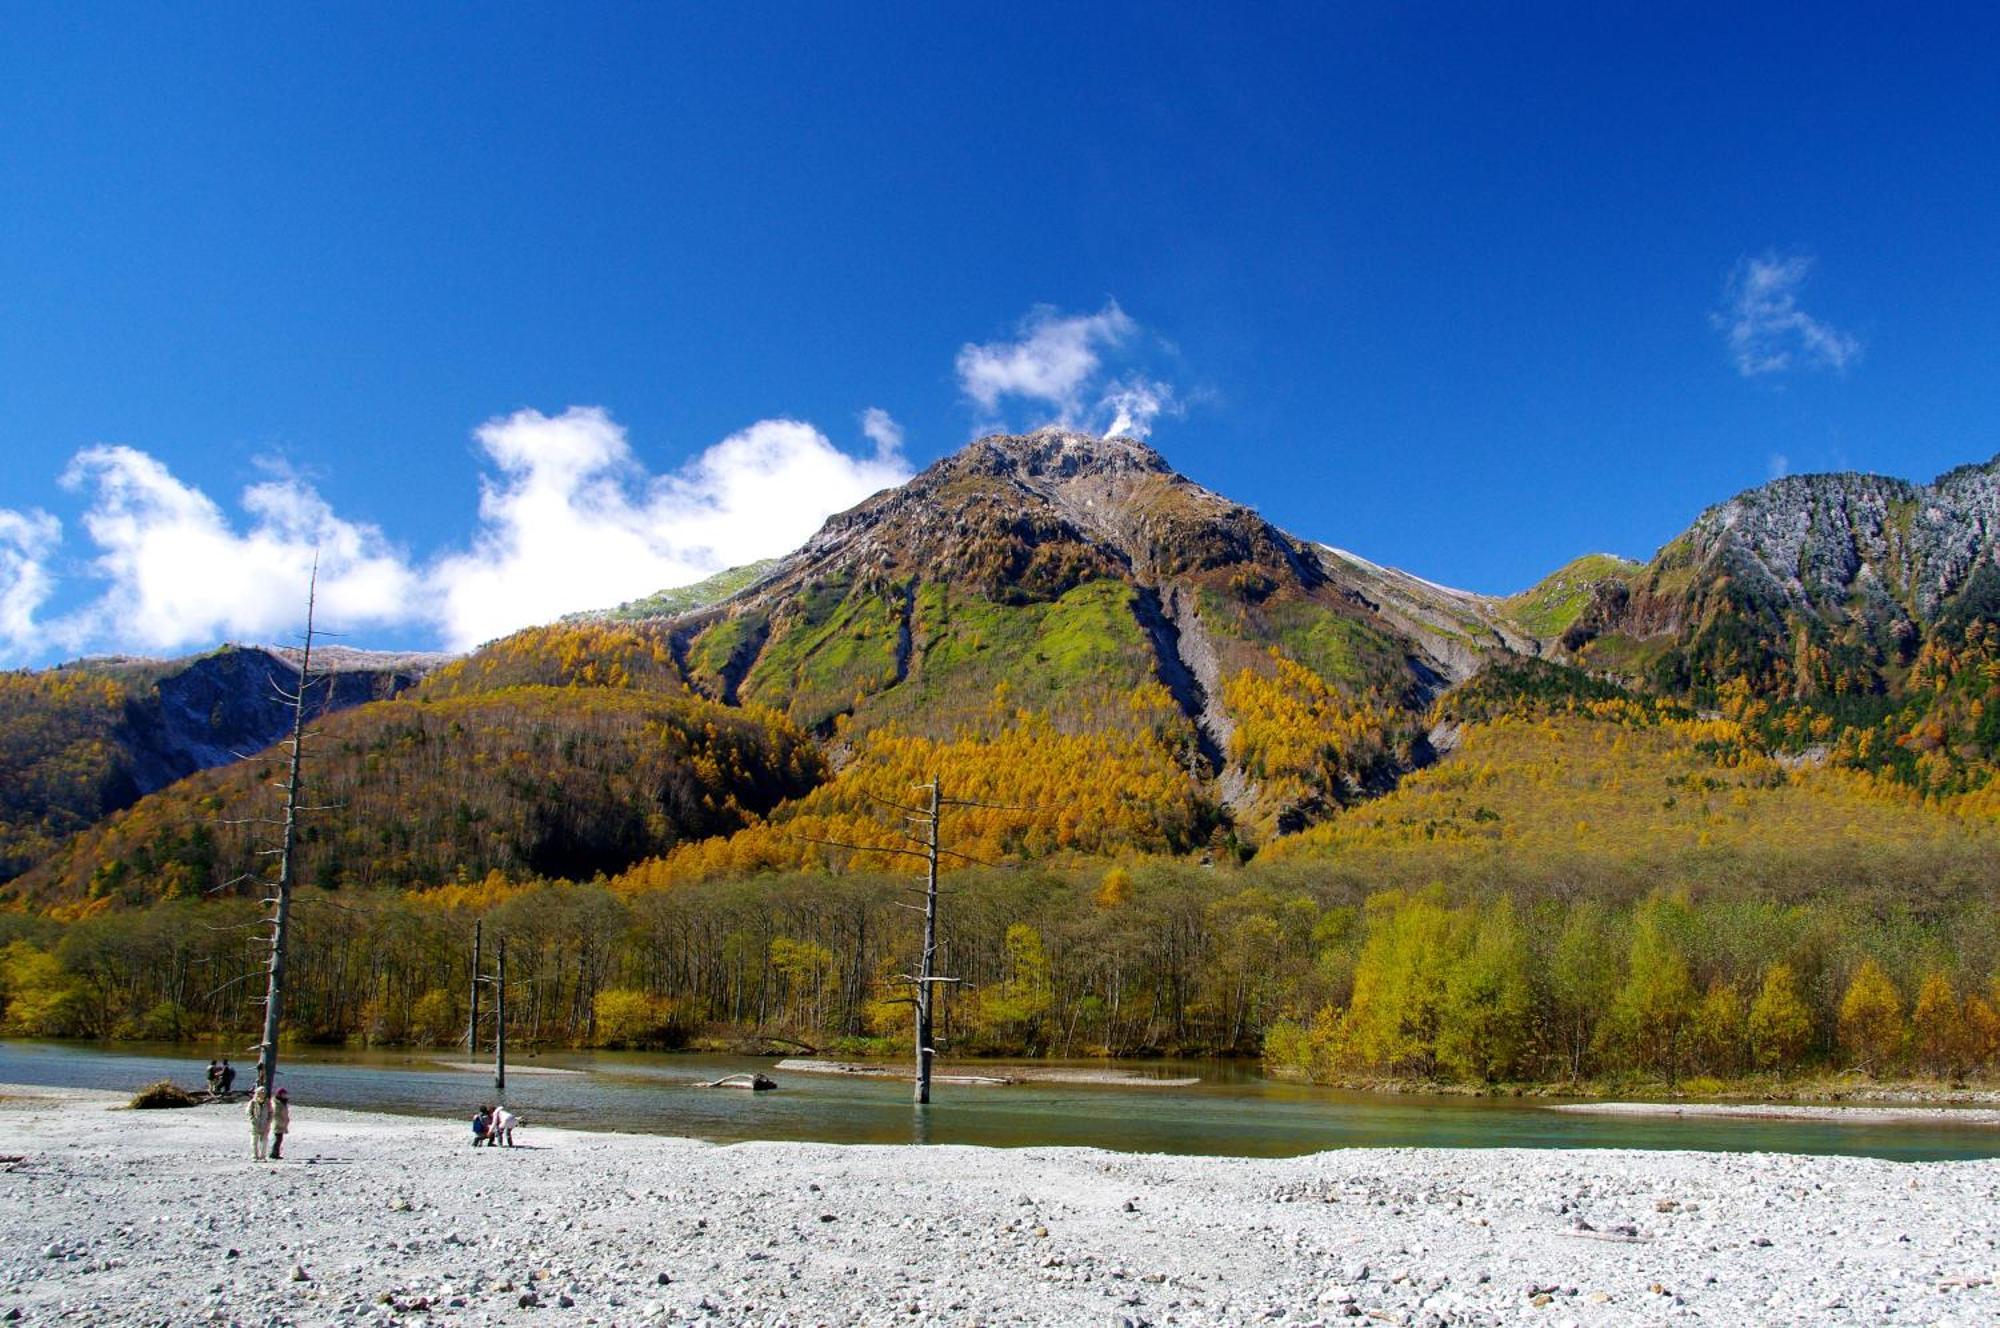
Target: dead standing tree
[(281, 901), (498, 979), (925, 980)]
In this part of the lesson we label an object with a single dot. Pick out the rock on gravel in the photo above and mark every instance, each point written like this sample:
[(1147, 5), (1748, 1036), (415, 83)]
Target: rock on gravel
[(118, 1217)]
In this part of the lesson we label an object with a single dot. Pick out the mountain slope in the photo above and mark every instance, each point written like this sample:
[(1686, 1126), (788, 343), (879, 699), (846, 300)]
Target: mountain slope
[(89, 738), (529, 781), (681, 599), (1067, 572), (1850, 617)]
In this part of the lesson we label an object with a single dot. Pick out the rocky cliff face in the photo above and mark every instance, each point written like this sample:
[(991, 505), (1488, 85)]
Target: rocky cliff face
[(231, 703), (1857, 568), (1838, 545), (1032, 516)]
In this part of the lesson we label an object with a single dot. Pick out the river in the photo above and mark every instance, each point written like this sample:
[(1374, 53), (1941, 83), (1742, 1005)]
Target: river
[(1233, 1110)]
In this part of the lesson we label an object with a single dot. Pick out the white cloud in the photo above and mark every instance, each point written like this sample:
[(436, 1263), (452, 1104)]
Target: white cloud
[(1056, 362), (1135, 402), (179, 573), (1050, 360), (568, 520), (1778, 466), (26, 539), (883, 431), (572, 521), (1766, 330)]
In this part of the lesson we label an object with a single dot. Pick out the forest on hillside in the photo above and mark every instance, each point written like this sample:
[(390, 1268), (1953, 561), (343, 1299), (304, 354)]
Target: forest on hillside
[(526, 780)]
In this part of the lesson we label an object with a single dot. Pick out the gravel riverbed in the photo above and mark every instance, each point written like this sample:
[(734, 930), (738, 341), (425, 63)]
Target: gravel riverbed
[(116, 1216)]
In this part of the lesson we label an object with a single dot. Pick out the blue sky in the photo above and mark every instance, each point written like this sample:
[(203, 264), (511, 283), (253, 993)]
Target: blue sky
[(514, 314)]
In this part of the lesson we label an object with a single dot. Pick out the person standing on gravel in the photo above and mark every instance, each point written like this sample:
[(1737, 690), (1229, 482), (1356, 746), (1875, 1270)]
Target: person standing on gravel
[(260, 1124), (502, 1128), (281, 1122)]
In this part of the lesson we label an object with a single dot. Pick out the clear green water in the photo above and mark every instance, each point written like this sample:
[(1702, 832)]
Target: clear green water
[(1233, 1110)]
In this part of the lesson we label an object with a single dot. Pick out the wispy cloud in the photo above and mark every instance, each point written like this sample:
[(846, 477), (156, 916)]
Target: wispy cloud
[(881, 429), (1135, 402), (26, 539), (1055, 362), (1766, 330)]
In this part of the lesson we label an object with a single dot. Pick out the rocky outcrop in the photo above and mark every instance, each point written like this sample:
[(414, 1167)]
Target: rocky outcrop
[(222, 706)]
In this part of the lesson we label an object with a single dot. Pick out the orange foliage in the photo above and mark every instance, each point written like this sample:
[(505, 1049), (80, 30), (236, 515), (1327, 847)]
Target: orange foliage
[(1299, 735), (1054, 793), (579, 654)]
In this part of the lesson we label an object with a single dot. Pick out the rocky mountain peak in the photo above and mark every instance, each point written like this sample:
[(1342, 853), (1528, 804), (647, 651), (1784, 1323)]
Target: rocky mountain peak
[(1826, 543), (1055, 453)]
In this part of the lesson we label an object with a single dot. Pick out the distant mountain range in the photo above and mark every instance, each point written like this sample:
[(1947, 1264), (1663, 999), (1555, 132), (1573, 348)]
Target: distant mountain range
[(1082, 583)]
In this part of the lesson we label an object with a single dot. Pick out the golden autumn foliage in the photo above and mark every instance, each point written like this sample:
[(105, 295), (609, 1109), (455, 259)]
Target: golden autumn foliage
[(1301, 737), (1780, 1024), (568, 654), (1596, 785), (535, 781), (60, 764), (1050, 793), (1871, 1017)]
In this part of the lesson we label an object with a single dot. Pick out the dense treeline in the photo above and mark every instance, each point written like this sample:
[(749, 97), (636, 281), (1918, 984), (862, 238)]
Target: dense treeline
[(60, 764), (1315, 968), (530, 781), (1495, 991), (1589, 885)]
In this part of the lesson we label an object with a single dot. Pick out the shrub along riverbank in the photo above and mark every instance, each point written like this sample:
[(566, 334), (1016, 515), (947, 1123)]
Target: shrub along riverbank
[(1570, 977)]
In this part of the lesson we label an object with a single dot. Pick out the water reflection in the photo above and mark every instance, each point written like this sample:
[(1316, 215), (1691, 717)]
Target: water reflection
[(1230, 1110)]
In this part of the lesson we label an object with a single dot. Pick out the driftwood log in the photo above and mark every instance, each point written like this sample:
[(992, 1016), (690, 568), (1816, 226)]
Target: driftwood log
[(756, 1083)]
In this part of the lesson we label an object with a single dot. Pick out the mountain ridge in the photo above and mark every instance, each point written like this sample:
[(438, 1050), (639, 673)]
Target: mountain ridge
[(1081, 584)]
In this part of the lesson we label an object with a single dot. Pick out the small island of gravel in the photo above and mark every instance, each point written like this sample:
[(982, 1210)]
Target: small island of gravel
[(147, 1217)]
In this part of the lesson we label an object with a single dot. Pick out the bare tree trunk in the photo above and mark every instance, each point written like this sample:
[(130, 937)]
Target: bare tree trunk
[(281, 918), (927, 968)]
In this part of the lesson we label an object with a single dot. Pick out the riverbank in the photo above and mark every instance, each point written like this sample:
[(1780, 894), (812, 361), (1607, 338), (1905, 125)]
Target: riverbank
[(142, 1217), (1829, 1089), (1963, 1117)]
